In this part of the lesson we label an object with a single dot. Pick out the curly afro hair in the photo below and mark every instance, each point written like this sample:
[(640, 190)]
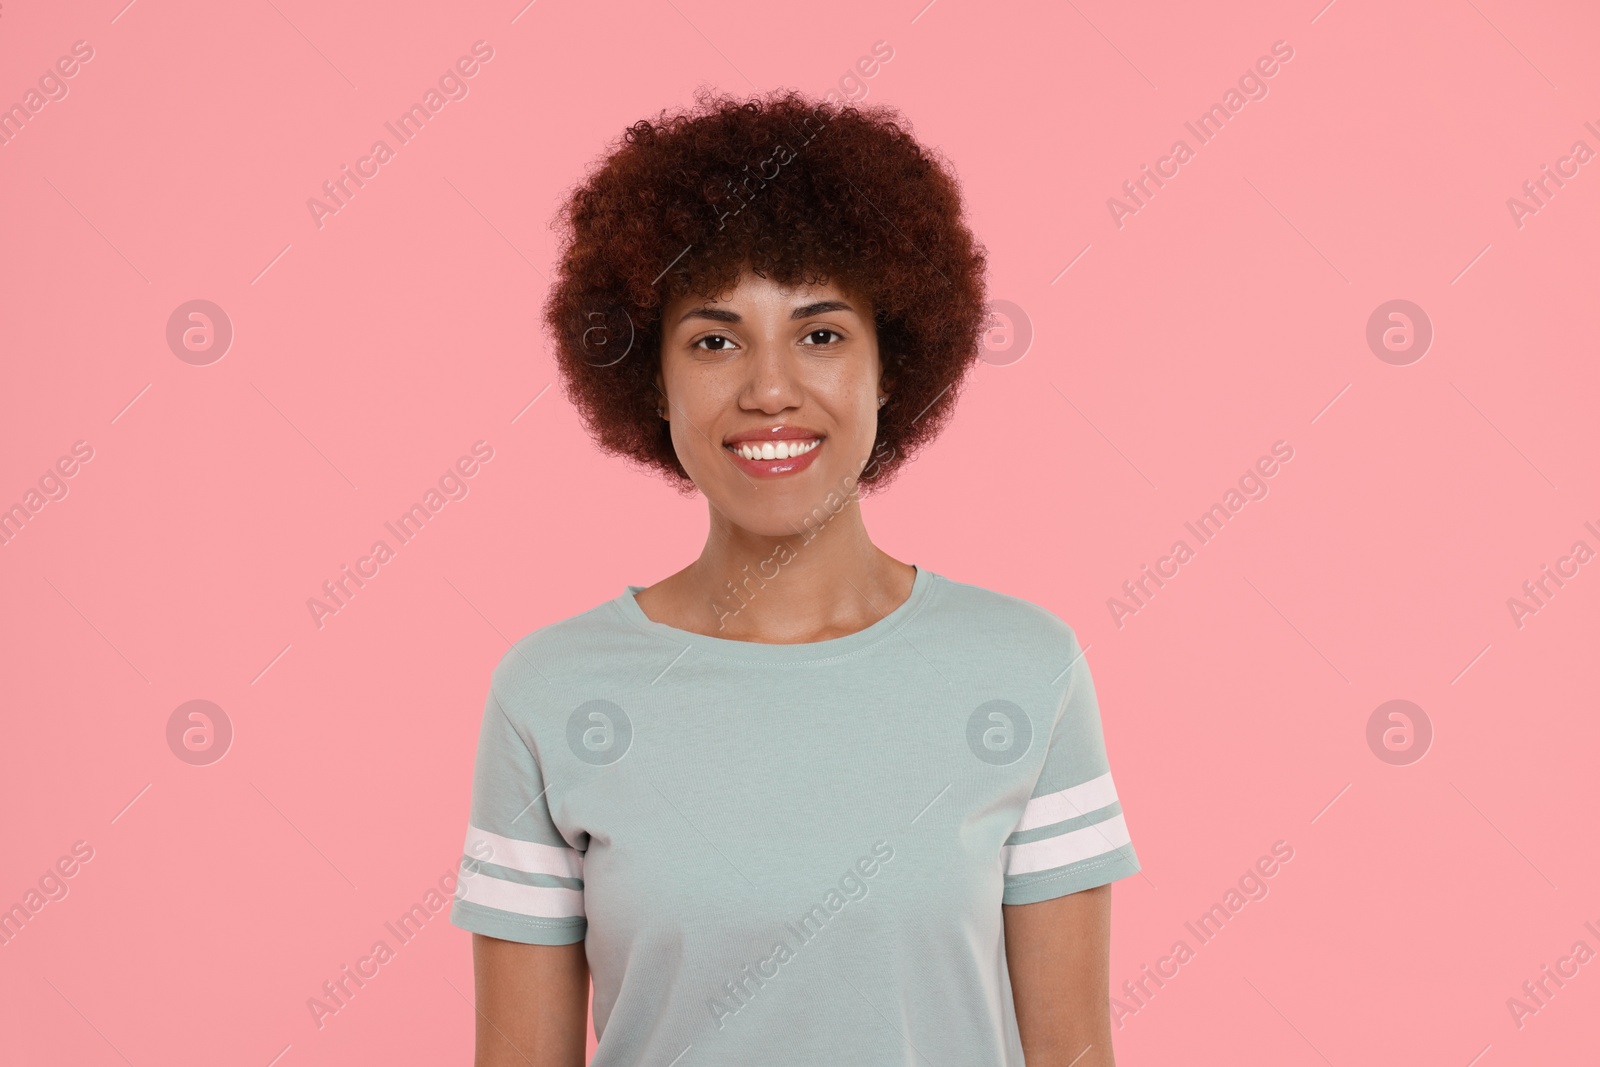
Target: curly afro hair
[(798, 190)]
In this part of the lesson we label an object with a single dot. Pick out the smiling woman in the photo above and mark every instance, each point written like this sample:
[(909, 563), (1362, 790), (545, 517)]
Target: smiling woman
[(664, 781), (861, 208)]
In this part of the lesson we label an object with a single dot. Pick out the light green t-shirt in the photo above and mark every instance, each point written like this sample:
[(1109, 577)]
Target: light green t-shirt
[(792, 854)]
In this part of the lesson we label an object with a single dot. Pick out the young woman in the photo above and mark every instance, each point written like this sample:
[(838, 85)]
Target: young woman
[(800, 802)]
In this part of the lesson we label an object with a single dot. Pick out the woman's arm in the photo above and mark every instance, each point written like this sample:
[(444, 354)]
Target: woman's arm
[(533, 1003), (1059, 955)]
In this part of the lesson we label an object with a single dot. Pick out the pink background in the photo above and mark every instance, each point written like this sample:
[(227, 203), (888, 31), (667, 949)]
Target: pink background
[(1230, 312)]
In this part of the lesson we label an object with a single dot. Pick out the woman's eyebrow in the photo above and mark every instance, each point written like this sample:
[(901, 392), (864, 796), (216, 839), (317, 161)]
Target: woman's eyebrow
[(802, 312), (807, 310), (716, 314)]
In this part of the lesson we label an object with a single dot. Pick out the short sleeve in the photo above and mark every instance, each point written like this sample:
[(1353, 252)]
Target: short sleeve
[(519, 879), (1072, 834)]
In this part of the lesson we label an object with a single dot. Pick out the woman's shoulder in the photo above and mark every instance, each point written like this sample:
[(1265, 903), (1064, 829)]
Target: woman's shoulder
[(977, 608), (567, 651)]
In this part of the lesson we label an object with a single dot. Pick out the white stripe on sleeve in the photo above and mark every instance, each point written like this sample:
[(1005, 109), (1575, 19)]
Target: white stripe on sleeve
[(1068, 803), (545, 902), (528, 856), (482, 887), (1063, 849)]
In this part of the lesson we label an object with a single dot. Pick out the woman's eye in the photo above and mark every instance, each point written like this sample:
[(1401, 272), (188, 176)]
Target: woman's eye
[(716, 342)]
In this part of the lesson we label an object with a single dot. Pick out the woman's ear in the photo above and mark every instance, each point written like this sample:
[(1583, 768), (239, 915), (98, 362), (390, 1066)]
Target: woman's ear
[(661, 397)]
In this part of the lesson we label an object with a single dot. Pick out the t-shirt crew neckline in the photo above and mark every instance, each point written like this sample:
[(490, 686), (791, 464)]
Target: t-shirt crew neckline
[(801, 652)]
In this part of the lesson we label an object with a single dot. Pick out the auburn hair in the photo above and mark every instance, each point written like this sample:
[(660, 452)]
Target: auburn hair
[(796, 190)]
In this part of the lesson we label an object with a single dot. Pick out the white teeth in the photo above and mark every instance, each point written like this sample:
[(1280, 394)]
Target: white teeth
[(776, 449)]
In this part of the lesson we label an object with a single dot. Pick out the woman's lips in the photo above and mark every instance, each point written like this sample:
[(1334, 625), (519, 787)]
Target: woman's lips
[(774, 468)]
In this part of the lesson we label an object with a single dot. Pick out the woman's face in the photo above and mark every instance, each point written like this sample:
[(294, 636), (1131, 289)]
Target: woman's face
[(764, 364)]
